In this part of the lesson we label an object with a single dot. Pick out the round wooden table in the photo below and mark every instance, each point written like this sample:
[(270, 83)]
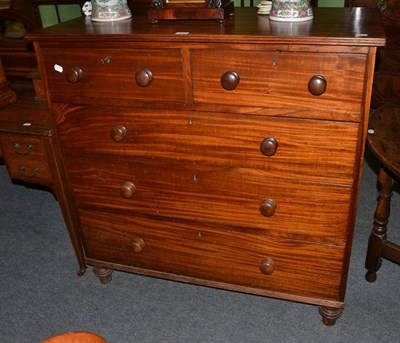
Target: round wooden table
[(384, 141)]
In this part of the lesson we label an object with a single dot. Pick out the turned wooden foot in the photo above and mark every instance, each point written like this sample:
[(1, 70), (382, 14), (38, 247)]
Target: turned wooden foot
[(81, 271), (330, 314), (378, 235), (104, 274)]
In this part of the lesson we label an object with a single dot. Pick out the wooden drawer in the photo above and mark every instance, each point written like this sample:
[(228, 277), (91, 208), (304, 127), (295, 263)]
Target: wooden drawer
[(107, 74), (32, 170), (192, 249), (278, 79), (228, 196), (306, 148), (25, 157), (22, 145)]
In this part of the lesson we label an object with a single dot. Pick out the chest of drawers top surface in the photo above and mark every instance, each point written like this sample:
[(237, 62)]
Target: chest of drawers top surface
[(336, 26)]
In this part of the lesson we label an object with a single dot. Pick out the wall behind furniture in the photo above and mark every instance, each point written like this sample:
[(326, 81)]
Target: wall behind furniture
[(48, 13)]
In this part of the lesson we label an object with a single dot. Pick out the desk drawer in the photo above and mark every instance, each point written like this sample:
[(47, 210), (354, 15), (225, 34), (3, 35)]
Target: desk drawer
[(107, 74), (309, 149), (22, 145), (32, 170), (231, 196), (278, 79), (26, 158), (192, 249)]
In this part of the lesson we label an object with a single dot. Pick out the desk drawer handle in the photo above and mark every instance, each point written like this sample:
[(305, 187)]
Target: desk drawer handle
[(22, 151), (230, 80), (269, 146), (22, 171), (267, 266), (127, 190), (268, 207), (74, 74), (138, 245), (118, 133), (317, 85), (143, 77)]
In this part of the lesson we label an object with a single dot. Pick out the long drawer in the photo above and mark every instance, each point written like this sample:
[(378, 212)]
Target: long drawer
[(228, 196), (193, 250), (275, 79), (308, 149), (105, 74)]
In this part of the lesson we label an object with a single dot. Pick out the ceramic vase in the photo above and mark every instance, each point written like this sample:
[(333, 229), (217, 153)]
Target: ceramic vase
[(110, 10), (291, 10)]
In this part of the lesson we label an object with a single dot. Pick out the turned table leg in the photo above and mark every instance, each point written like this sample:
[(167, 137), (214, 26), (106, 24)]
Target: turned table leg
[(330, 314), (104, 274), (378, 235)]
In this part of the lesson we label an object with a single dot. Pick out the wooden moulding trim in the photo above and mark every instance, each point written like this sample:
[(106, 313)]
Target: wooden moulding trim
[(216, 284)]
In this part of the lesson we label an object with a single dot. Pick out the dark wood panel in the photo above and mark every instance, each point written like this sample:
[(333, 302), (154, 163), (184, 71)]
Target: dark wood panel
[(196, 251), (215, 138), (111, 73), (276, 79), (309, 211)]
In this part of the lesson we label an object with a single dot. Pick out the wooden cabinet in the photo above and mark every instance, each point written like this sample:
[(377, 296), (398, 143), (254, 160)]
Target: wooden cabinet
[(226, 155)]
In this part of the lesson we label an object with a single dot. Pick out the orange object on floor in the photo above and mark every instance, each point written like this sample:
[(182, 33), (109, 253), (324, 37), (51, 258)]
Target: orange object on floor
[(75, 337)]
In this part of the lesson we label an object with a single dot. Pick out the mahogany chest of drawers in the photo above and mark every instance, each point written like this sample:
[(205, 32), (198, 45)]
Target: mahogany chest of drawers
[(226, 155)]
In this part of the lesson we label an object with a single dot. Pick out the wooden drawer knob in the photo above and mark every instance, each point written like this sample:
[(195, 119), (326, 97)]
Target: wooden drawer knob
[(127, 190), (230, 80), (118, 133), (138, 244), (143, 77), (269, 146), (74, 74), (268, 207), (317, 85), (267, 266)]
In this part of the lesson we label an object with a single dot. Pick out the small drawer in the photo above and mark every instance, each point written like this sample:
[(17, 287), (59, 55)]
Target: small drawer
[(286, 147), (22, 145), (26, 157), (194, 249), (332, 82), (33, 170), (228, 196), (104, 75)]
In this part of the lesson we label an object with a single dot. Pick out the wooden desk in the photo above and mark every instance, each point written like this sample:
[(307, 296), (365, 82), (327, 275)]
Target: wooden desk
[(226, 155), (28, 147)]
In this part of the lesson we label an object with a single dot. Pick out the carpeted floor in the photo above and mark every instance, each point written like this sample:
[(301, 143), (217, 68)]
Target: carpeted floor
[(40, 294)]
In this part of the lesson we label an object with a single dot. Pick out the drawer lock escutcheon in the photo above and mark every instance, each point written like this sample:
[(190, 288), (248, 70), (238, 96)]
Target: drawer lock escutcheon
[(105, 60)]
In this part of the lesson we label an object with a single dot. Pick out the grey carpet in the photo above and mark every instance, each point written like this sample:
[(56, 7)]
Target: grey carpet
[(40, 294)]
